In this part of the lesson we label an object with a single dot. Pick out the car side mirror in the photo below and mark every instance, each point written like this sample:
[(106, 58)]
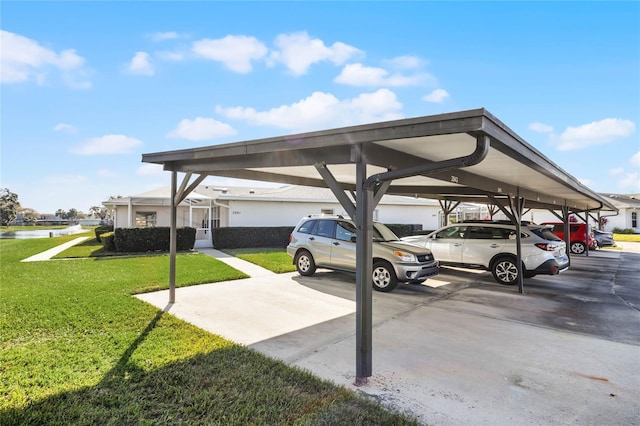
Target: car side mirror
[(353, 239)]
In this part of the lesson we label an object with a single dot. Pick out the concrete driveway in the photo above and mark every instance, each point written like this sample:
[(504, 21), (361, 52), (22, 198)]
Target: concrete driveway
[(468, 351)]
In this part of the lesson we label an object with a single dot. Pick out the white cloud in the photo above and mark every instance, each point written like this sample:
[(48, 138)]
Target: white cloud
[(321, 110), (630, 183), (140, 64), (64, 127), (108, 144), (436, 96), (169, 35), (235, 52), (635, 160), (540, 127), (150, 169), (201, 129), (359, 75), (406, 62), (297, 51), (170, 56), (616, 171), (23, 59), (595, 133)]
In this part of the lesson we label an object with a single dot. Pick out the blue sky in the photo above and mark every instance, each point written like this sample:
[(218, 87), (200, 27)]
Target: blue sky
[(87, 87)]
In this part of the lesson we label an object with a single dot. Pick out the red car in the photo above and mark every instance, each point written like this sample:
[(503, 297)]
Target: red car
[(577, 232)]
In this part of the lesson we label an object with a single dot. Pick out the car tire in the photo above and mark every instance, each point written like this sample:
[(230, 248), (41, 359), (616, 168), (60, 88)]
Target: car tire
[(384, 277), (577, 247), (505, 270), (305, 263)]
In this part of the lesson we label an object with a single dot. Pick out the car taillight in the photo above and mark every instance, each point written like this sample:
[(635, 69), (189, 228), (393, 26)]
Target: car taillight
[(290, 238), (546, 246)]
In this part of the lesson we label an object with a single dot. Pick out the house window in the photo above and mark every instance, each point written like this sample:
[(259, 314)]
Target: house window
[(634, 219), (326, 211), (215, 220), (145, 219)]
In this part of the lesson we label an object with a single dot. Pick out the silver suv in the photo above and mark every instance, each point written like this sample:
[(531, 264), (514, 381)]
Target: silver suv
[(329, 242), (492, 246)]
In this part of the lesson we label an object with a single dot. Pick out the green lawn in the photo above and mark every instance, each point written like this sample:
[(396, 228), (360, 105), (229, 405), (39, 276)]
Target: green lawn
[(627, 237), (274, 259), (78, 348)]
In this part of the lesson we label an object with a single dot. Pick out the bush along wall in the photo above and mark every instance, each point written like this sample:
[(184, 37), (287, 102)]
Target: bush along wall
[(102, 230), (137, 240), (250, 237), (108, 241)]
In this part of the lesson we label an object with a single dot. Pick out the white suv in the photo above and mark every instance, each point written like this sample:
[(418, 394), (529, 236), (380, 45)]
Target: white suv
[(329, 242), (492, 246)]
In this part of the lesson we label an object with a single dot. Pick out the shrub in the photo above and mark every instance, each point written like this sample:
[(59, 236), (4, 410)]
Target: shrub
[(403, 230), (135, 240), (251, 237), (102, 230), (108, 241), (623, 231)]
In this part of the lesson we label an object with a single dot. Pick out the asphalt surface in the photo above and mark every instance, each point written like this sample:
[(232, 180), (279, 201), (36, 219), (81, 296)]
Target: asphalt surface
[(466, 351)]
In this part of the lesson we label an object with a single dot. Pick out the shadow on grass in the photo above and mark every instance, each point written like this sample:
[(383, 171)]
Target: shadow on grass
[(228, 385)]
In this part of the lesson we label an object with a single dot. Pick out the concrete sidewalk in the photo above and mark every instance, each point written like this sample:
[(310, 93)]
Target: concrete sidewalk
[(251, 310), (468, 353), (48, 254)]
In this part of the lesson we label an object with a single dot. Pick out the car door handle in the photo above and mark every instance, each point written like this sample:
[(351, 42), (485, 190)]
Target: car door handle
[(457, 244), (335, 243), (494, 245), (312, 239)]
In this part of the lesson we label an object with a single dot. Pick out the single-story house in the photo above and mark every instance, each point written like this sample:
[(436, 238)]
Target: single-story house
[(210, 206), (628, 210)]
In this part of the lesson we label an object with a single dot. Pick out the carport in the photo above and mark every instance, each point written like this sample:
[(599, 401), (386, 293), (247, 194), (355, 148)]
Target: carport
[(461, 156)]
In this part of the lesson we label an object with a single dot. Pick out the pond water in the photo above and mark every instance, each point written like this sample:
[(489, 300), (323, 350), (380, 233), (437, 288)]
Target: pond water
[(41, 233)]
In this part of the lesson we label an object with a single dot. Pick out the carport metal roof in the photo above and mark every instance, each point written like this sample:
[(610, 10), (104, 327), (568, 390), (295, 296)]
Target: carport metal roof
[(511, 165), (460, 156)]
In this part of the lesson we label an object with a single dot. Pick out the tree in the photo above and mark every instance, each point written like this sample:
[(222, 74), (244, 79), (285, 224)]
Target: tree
[(29, 216), (103, 213), (9, 206), (61, 214)]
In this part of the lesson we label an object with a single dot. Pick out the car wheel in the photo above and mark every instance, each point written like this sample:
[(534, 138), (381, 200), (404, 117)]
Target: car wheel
[(577, 247), (305, 264), (504, 270), (384, 277)]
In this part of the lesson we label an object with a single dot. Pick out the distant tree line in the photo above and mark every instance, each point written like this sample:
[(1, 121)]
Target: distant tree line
[(10, 208)]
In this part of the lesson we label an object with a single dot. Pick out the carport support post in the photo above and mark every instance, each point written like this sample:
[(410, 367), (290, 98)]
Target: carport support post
[(364, 266), (517, 206), (173, 239)]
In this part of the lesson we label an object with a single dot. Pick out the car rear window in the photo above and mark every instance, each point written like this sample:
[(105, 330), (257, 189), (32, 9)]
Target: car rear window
[(545, 233)]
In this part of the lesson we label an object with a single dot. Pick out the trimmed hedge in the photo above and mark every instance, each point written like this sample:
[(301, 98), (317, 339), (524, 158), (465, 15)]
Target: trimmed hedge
[(627, 231), (277, 236), (102, 230), (250, 237), (108, 241), (404, 230), (136, 240)]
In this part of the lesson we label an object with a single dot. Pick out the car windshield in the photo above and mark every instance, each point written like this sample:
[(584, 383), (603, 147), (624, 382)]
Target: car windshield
[(382, 233)]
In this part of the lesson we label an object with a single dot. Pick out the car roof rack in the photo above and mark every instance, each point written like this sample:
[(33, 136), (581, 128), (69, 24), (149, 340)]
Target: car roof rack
[(500, 222)]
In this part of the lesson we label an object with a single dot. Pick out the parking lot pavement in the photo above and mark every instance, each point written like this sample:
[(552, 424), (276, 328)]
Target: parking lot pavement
[(475, 352), (466, 351)]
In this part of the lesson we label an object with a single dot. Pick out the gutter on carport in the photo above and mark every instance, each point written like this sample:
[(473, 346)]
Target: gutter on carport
[(364, 206)]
